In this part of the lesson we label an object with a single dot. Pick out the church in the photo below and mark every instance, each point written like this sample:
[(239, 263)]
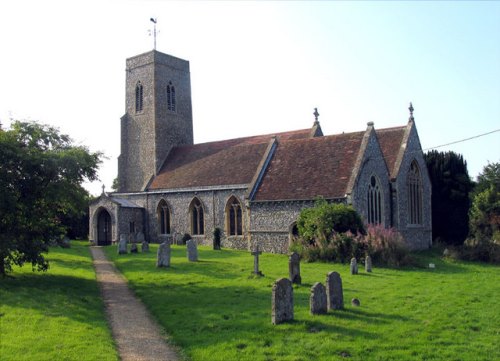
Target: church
[(251, 188)]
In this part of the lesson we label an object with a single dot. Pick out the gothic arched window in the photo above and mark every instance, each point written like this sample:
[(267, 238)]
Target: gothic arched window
[(139, 97), (163, 214), (234, 219), (414, 187), (374, 201), (171, 97), (197, 217)]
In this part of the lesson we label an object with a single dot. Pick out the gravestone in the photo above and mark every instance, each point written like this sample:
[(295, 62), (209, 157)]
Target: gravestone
[(144, 247), (65, 242), (192, 251), (256, 255), (139, 237), (163, 255), (133, 248), (282, 301), (368, 264), (355, 302), (318, 300), (122, 245), (354, 266), (334, 292), (294, 268)]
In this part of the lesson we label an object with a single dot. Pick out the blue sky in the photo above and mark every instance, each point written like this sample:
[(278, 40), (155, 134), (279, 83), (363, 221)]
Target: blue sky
[(261, 67)]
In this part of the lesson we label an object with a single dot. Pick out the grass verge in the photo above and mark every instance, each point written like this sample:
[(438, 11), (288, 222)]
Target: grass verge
[(57, 315), (215, 309)]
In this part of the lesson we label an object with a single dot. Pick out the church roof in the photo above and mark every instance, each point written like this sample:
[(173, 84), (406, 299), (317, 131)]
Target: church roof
[(226, 162), (391, 141), (308, 168)]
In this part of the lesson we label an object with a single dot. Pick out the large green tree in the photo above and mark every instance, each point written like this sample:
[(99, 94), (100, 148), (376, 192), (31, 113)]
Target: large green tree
[(41, 176), (451, 186), (485, 210)]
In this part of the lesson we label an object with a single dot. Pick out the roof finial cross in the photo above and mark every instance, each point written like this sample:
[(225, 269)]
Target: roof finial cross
[(316, 115), (411, 112)]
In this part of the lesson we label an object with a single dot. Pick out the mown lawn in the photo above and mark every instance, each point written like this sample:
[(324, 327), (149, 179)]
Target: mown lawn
[(57, 315), (216, 310)]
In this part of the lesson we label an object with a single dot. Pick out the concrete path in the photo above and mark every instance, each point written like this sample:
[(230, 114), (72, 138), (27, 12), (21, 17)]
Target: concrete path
[(136, 334)]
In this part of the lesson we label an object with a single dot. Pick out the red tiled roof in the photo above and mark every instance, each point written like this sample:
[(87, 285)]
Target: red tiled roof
[(308, 168), (390, 140), (226, 162)]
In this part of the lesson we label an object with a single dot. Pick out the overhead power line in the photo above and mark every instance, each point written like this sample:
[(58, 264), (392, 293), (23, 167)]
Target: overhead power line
[(463, 140)]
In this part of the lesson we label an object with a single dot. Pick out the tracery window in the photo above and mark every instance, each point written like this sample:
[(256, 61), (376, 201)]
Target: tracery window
[(234, 217), (163, 214), (414, 187), (374, 201), (171, 97), (197, 217), (139, 97)]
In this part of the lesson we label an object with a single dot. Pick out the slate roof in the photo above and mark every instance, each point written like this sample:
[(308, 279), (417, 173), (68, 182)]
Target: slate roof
[(308, 168), (227, 162), (391, 140)]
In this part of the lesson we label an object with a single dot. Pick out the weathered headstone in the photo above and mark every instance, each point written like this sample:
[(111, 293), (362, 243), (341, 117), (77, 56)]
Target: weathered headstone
[(355, 302), (282, 301), (294, 268), (133, 248), (122, 245), (256, 255), (368, 264), (192, 251), (318, 301), (163, 255), (144, 247), (334, 292), (139, 237), (65, 242), (354, 266)]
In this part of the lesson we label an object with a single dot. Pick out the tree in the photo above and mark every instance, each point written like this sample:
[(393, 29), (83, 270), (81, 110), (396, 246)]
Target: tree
[(41, 172), (451, 186), (485, 210)]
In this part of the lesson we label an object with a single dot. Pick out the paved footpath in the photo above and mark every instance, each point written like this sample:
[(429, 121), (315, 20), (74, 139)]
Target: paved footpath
[(136, 334)]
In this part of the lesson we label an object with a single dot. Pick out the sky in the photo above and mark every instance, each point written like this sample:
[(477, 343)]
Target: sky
[(260, 67)]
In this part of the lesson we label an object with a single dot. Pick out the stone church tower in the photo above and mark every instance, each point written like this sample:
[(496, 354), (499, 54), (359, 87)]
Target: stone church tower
[(158, 116)]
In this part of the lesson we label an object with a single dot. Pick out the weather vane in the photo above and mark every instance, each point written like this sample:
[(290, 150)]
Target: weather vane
[(153, 20)]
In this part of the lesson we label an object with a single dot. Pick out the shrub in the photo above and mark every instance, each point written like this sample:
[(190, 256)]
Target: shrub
[(386, 246), (186, 237)]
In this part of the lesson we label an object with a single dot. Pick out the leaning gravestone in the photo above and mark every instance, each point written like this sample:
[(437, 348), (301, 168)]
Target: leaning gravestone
[(282, 301), (334, 292), (144, 247), (163, 255), (368, 264), (318, 301), (294, 268), (192, 251), (354, 266), (122, 245)]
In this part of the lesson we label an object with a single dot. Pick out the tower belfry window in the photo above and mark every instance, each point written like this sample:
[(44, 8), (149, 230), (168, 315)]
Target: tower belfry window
[(171, 101), (139, 97)]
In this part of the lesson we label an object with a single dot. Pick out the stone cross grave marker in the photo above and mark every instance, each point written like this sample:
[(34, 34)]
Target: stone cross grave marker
[(192, 251), (294, 268), (122, 245), (163, 255), (282, 301), (334, 292), (318, 300), (368, 264), (256, 255), (354, 266)]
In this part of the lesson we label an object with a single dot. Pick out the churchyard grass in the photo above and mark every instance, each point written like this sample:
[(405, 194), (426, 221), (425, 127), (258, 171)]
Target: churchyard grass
[(56, 315), (215, 309)]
